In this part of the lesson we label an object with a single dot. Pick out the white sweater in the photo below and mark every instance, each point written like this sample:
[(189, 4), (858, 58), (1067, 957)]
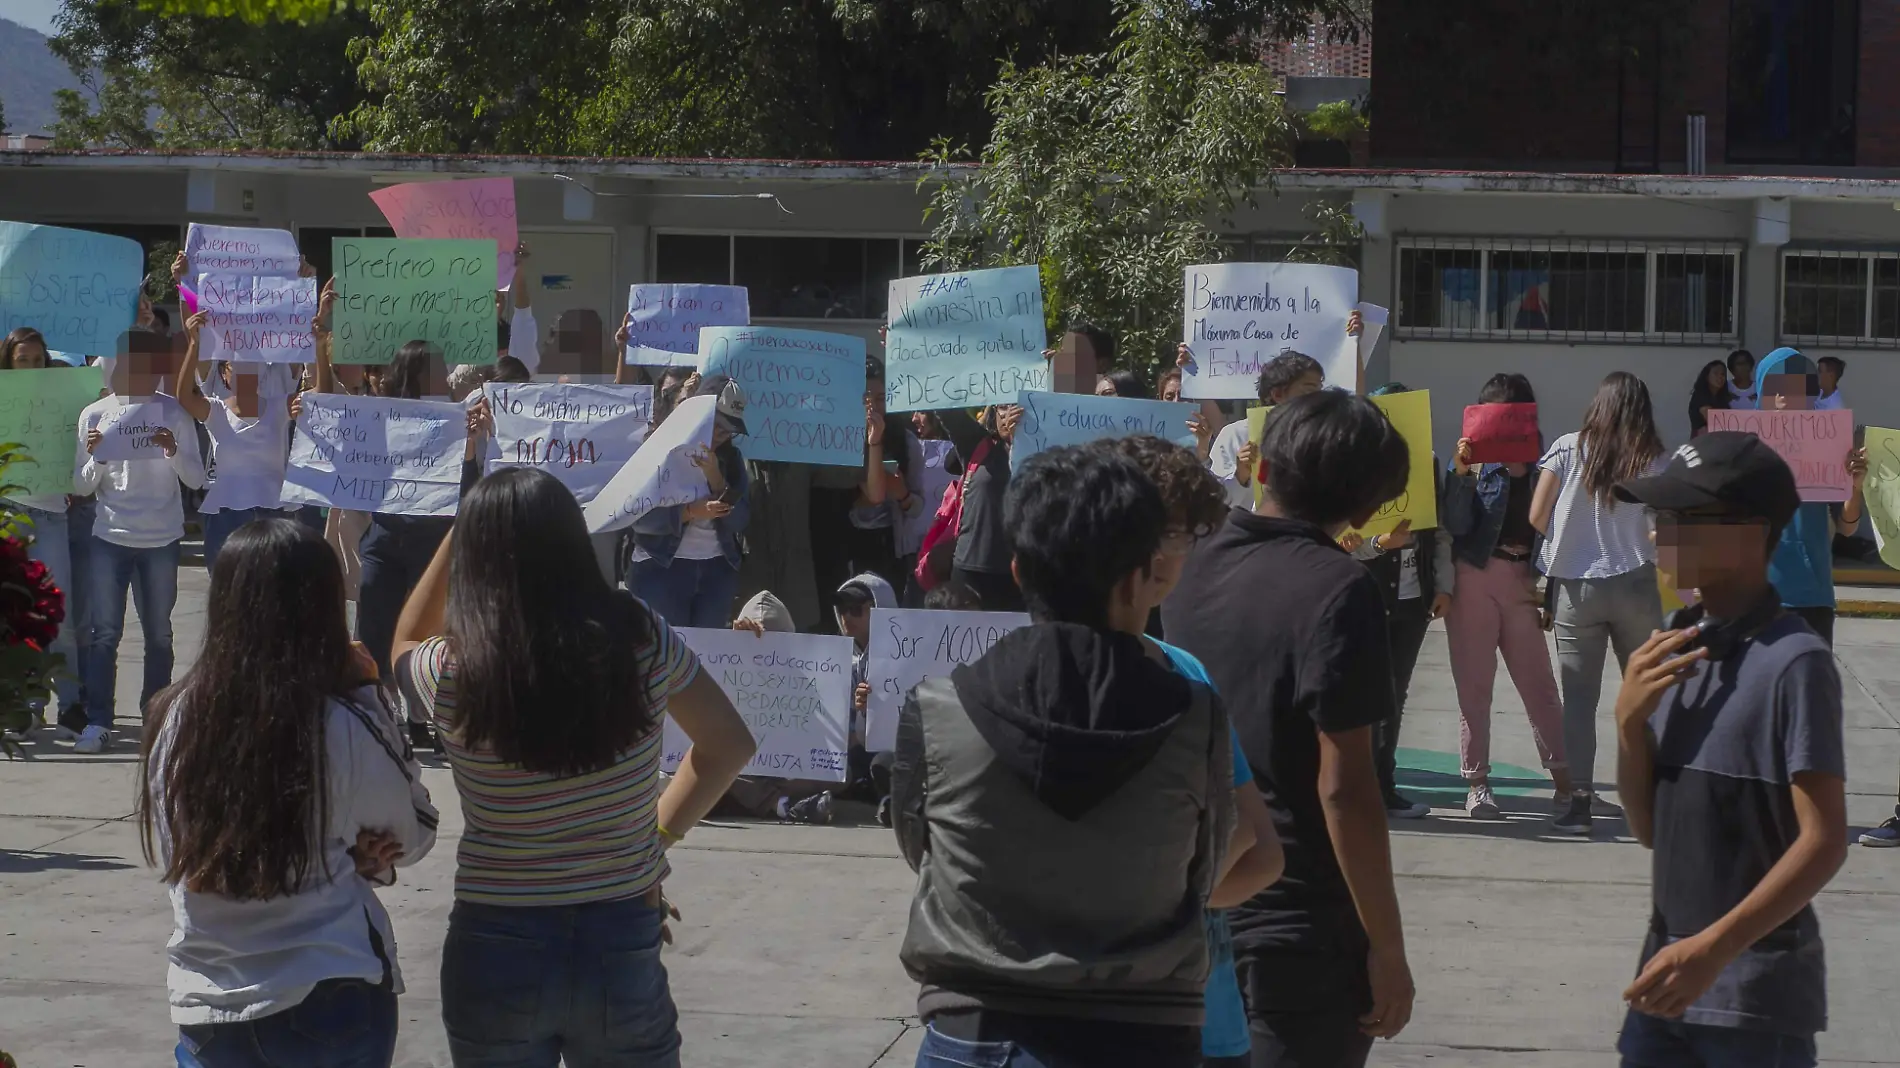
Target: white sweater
[(139, 503), (232, 960)]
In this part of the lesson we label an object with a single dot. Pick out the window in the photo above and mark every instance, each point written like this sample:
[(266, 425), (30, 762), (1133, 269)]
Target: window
[(794, 277), (1840, 297), (1567, 290), (1793, 66), (314, 243)]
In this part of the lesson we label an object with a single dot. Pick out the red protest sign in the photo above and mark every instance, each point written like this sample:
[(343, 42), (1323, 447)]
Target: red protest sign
[(1503, 433)]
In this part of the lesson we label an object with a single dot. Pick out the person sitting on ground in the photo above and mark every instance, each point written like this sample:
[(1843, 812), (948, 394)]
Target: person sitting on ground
[(953, 596), (1066, 800), (852, 604), (1731, 768)]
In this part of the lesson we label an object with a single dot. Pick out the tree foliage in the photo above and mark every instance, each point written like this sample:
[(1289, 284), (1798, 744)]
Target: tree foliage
[(188, 81), (1111, 172)]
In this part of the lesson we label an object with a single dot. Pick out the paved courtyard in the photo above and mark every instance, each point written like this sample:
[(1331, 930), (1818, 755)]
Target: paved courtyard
[(787, 957)]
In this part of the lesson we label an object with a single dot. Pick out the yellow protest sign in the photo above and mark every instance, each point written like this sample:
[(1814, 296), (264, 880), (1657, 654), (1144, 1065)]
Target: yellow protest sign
[(1257, 429), (1411, 414), (1882, 491)]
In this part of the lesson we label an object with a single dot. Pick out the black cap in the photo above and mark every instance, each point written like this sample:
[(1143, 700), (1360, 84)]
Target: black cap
[(1727, 470)]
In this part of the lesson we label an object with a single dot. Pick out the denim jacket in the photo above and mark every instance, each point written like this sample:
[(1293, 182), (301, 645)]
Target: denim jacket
[(658, 531), (1472, 512)]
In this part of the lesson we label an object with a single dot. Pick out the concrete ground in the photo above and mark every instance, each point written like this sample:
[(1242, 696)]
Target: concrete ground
[(1520, 941)]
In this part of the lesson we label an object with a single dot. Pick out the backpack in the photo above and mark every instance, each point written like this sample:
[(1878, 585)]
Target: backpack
[(949, 517)]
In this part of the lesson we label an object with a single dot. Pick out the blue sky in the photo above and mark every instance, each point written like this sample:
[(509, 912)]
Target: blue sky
[(34, 14)]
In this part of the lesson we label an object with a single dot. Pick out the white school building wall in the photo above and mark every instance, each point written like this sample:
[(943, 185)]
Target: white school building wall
[(816, 241)]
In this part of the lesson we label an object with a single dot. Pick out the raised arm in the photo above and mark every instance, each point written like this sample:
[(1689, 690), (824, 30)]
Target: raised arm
[(320, 328), (189, 397)]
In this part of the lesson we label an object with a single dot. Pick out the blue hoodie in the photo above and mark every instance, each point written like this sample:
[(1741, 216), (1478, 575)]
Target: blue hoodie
[(1802, 568)]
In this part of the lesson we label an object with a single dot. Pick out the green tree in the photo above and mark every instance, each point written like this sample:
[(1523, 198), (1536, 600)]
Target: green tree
[(188, 81), (1111, 172)]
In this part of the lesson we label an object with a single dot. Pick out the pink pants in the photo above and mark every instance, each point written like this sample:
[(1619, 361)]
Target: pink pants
[(1492, 610)]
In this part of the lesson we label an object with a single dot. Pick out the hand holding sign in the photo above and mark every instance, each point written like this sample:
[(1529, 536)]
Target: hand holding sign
[(1502, 434)]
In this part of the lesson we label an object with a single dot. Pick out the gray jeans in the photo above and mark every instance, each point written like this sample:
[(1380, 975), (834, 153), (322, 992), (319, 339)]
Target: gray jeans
[(1621, 612)]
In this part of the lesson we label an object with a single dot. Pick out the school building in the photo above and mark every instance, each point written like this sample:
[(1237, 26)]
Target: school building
[(1564, 277)]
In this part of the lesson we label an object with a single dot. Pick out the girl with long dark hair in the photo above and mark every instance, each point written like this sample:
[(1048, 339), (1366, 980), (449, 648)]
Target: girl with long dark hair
[(685, 558), (1600, 561), (548, 688), (884, 536), (277, 787), (1710, 394)]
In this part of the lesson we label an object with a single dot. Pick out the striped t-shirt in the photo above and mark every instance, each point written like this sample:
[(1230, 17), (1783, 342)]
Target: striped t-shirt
[(1591, 538), (537, 839)]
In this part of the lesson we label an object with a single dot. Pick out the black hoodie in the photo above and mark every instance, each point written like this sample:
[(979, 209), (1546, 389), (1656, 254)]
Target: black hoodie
[(1065, 800)]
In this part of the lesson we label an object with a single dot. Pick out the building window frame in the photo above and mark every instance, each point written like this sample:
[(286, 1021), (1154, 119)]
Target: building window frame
[(906, 243), (1652, 252), (1870, 258)]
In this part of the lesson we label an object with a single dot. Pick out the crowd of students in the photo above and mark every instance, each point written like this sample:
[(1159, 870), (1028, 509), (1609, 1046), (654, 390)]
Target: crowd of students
[(1150, 827)]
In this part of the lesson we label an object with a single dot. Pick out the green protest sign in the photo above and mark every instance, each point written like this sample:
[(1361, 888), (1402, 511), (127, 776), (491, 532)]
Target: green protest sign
[(391, 291), (40, 410)]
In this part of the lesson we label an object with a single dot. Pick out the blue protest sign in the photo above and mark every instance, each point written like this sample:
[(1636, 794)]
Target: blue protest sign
[(1053, 419), (804, 391), (665, 319), (77, 288), (964, 340)]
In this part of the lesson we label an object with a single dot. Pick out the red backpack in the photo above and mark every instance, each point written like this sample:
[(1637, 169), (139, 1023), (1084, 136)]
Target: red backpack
[(949, 517)]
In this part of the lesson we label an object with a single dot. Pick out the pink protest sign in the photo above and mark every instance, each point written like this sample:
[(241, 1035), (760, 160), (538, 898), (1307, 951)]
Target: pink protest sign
[(1815, 445), (477, 208)]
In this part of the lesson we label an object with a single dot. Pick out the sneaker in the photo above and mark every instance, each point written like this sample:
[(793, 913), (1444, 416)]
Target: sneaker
[(1576, 819), (1884, 836), (1400, 807), (1481, 804), (93, 739), (884, 811), (422, 736), (72, 723), (813, 809)]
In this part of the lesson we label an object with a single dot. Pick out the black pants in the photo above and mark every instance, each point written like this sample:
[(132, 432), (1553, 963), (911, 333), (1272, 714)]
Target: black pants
[(1821, 620), (1405, 625), (395, 550), (1303, 1005), (996, 589), (831, 544)]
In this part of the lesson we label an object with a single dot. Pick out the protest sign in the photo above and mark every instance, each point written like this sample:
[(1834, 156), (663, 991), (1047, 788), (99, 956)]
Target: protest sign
[(1411, 415), (580, 434), (377, 454), (792, 690), (910, 645), (240, 250), (1503, 433), (79, 289), (40, 410), (804, 391), (479, 208), (1052, 419), (1881, 488), (965, 340), (1815, 445), (391, 291), (257, 318), (661, 472), (666, 320), (1238, 316), (125, 432)]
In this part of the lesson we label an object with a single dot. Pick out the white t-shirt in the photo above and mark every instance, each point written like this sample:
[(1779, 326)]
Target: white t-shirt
[(1833, 402), (1741, 399), (699, 540), (250, 455), (1223, 459), (1592, 538), (139, 503), (1408, 573)]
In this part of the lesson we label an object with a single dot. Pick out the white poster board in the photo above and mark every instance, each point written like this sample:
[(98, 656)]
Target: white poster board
[(661, 472), (240, 250), (126, 432), (1236, 317), (377, 454), (909, 645), (792, 690), (664, 328), (580, 434), (258, 318)]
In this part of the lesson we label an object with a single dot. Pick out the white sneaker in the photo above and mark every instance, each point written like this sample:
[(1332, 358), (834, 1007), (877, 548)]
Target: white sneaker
[(1481, 804), (94, 739)]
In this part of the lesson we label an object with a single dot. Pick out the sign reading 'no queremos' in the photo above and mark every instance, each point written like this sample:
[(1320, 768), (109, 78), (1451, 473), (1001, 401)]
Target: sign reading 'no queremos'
[(661, 473), (804, 391), (792, 690), (377, 454), (391, 291), (964, 340), (909, 646), (580, 434), (1235, 317)]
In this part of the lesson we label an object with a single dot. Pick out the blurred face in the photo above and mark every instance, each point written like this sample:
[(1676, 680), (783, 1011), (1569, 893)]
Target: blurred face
[(1784, 393), (1709, 551), (29, 356), (1718, 377), (1310, 382), (243, 391)]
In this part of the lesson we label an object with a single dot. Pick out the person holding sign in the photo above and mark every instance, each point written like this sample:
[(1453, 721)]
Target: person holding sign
[(685, 557), (1599, 556), (1495, 609), (1234, 457), (136, 535), (549, 689), (249, 439), (1083, 783)]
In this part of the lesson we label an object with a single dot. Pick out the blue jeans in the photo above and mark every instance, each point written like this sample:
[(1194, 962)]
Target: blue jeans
[(1648, 1042), (942, 1051), (343, 1023), (152, 576), (221, 524), (52, 546), (79, 516), (688, 593), (530, 986)]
